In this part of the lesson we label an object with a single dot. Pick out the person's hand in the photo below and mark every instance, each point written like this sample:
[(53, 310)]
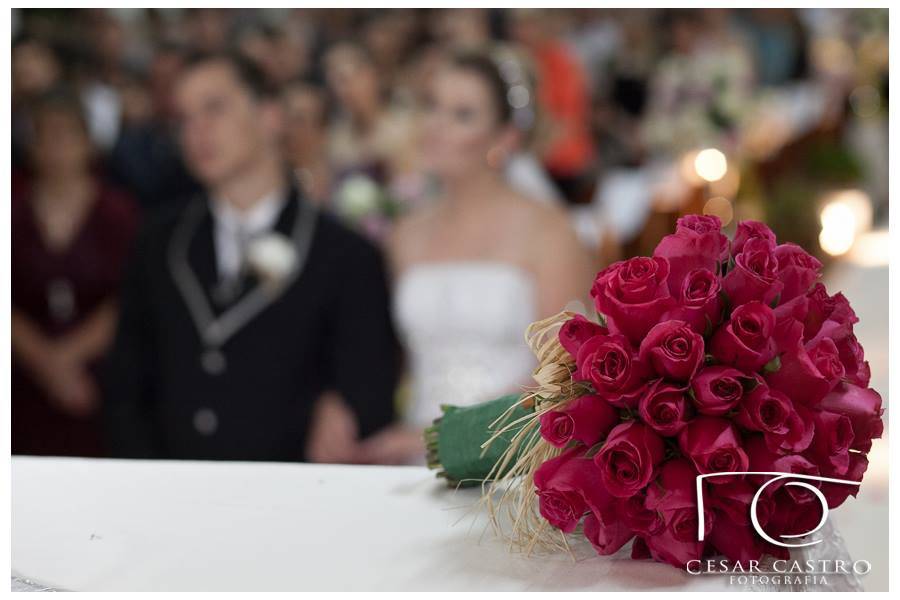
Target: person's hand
[(333, 432), (69, 385), (394, 445)]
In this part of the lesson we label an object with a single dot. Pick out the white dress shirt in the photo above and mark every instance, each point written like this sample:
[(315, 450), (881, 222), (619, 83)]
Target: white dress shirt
[(234, 229)]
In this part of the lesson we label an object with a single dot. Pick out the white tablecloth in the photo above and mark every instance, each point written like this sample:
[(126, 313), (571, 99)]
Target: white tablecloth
[(81, 524)]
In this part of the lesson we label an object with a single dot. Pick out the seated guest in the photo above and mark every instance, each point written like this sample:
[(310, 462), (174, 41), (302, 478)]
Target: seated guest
[(253, 327), (70, 234)]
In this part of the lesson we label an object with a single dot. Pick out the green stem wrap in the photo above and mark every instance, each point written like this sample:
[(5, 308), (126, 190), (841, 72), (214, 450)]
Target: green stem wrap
[(453, 442)]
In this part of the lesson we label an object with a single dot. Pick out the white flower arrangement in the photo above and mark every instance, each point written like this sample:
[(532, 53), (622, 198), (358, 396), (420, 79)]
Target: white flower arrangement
[(272, 257)]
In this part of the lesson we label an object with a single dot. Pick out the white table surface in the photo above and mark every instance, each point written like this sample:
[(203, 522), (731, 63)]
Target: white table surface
[(84, 524)]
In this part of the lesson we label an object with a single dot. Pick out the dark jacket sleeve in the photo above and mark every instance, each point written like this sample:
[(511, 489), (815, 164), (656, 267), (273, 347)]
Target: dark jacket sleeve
[(363, 346), (129, 372)]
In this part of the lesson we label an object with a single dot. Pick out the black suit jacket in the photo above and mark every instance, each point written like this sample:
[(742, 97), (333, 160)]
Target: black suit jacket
[(330, 328)]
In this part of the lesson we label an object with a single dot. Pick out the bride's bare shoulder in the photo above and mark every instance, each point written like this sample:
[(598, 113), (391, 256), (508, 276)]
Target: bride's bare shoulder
[(544, 218)]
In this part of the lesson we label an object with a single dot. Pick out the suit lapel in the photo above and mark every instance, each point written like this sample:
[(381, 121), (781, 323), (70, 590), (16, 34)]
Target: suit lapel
[(192, 261)]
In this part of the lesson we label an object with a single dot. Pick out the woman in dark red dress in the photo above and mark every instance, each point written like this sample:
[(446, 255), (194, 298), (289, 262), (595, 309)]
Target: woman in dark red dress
[(70, 235)]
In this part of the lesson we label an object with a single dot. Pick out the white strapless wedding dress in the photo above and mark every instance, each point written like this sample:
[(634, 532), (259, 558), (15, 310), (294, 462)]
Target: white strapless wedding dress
[(463, 323)]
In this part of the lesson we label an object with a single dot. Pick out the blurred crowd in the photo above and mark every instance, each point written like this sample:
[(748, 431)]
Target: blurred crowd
[(606, 106)]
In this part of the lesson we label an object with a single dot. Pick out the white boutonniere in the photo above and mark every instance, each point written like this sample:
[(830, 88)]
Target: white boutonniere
[(358, 196), (272, 257)]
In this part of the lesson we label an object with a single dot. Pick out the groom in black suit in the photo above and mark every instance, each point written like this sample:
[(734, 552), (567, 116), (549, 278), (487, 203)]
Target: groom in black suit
[(253, 327)]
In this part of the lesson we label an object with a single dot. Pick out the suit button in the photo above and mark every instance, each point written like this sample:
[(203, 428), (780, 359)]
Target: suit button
[(213, 362), (205, 421)]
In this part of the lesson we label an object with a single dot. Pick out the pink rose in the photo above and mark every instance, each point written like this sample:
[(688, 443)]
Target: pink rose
[(673, 350), (586, 420), (836, 493), (863, 407), (734, 499), (604, 527), (576, 331), (717, 389), (754, 276), (566, 486), (629, 458), (830, 448), (855, 367), (714, 446), (633, 294), (738, 542), (827, 360), (745, 342), (749, 230), (827, 316), (797, 270), (698, 301), (698, 243), (772, 413), (611, 367), (674, 496), (638, 517), (797, 376), (762, 458), (665, 407)]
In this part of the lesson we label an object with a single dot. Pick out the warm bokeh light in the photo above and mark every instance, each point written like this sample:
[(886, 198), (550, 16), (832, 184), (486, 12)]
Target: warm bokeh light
[(847, 206), (871, 249), (720, 207), (846, 214), (837, 240), (711, 165), (728, 186)]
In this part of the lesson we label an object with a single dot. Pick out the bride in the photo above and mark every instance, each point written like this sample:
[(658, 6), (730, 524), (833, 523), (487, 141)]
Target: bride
[(474, 269)]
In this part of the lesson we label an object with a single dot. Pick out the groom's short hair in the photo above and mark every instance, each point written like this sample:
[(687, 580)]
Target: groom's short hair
[(245, 71)]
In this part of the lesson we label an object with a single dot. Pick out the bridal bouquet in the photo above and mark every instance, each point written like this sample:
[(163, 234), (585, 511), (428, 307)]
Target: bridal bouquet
[(726, 359)]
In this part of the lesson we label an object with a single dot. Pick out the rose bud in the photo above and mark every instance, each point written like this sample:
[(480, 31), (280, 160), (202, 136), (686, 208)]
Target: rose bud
[(754, 275), (576, 331), (714, 446), (665, 407), (830, 448), (698, 243), (611, 367), (633, 294), (863, 407), (764, 410), (673, 350), (797, 270), (564, 486), (629, 458), (717, 389), (772, 413), (586, 419), (699, 303), (745, 342), (748, 230)]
